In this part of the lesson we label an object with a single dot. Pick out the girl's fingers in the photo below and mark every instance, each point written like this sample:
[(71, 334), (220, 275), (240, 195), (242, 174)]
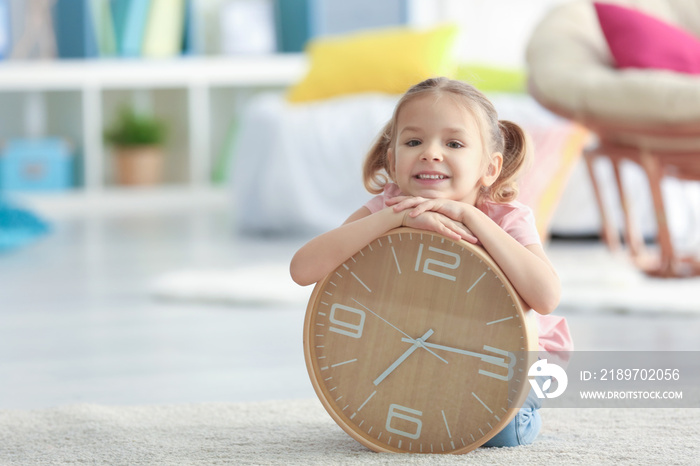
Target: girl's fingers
[(404, 202), (446, 230), (469, 238), (416, 211), (438, 206), (422, 207), (462, 232), (466, 235), (399, 203), (450, 228), (438, 223)]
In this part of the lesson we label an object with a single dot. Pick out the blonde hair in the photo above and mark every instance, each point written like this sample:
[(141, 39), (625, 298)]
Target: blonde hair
[(497, 135)]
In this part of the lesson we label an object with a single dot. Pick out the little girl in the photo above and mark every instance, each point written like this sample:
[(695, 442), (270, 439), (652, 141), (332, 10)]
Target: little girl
[(445, 163)]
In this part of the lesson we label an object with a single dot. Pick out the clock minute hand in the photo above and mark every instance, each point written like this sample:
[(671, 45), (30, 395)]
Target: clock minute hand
[(483, 357)]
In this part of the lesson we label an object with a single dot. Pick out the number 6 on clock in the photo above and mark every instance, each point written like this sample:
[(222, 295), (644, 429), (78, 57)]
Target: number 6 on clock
[(394, 413)]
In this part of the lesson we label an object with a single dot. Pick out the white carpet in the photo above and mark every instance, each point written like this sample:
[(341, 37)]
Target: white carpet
[(267, 284), (302, 433), (592, 279)]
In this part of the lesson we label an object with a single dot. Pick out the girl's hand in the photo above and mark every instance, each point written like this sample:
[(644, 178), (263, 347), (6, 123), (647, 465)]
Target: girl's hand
[(405, 202), (441, 224), (422, 217), (418, 205)]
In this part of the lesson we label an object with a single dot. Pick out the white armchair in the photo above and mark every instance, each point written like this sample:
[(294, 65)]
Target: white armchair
[(648, 116)]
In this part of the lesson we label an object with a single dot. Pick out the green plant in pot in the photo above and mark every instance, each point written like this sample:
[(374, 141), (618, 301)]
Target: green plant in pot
[(137, 140)]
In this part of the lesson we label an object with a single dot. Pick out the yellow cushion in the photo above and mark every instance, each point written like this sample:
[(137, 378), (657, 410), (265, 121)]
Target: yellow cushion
[(386, 60), (492, 78)]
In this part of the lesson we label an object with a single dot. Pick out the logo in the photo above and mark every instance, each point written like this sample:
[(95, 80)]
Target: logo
[(551, 371)]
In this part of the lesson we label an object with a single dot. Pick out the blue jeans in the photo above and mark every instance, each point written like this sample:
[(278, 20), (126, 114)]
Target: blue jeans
[(524, 427)]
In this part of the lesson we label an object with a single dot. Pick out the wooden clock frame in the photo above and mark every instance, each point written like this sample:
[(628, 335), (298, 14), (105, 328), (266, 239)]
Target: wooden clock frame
[(497, 285)]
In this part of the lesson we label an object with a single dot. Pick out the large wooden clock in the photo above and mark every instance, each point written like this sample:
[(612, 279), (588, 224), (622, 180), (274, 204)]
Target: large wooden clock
[(418, 343)]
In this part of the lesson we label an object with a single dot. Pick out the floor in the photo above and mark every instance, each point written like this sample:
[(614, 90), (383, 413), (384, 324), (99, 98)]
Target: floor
[(78, 325)]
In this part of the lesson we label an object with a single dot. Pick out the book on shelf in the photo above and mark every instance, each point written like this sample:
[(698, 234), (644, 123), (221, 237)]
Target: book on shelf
[(130, 18), (118, 8), (74, 29), (190, 45), (164, 29), (31, 33), (104, 27), (16, 19), (5, 32), (292, 22)]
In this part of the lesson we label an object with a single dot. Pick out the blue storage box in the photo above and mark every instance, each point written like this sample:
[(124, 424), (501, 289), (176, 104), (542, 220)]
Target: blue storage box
[(36, 165)]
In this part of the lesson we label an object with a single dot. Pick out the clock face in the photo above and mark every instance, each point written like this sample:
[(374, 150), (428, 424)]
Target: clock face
[(418, 344)]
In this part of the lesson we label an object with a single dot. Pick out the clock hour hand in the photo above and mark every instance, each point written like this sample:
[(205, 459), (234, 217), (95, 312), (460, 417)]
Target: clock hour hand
[(484, 357), (404, 356)]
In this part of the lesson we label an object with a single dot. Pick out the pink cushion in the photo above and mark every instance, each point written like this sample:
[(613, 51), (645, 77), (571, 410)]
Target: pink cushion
[(637, 40)]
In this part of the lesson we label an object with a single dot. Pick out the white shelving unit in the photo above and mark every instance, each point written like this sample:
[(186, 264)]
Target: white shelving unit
[(94, 79)]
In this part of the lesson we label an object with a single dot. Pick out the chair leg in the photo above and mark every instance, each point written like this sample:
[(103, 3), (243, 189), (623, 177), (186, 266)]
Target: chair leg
[(664, 264), (669, 264), (608, 230), (633, 236)]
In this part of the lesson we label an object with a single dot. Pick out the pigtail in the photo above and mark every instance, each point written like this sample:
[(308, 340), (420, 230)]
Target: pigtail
[(376, 170), (516, 156)]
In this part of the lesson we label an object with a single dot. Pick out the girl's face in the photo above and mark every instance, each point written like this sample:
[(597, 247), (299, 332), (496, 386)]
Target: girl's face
[(438, 152)]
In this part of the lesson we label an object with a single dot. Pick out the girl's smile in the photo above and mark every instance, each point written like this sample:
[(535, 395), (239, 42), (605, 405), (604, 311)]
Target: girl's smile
[(429, 177)]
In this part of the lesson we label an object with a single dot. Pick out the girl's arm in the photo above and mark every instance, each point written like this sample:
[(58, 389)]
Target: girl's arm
[(324, 253), (527, 267)]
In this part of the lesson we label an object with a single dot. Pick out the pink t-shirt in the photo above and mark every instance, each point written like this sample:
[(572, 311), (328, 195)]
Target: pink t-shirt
[(519, 222)]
